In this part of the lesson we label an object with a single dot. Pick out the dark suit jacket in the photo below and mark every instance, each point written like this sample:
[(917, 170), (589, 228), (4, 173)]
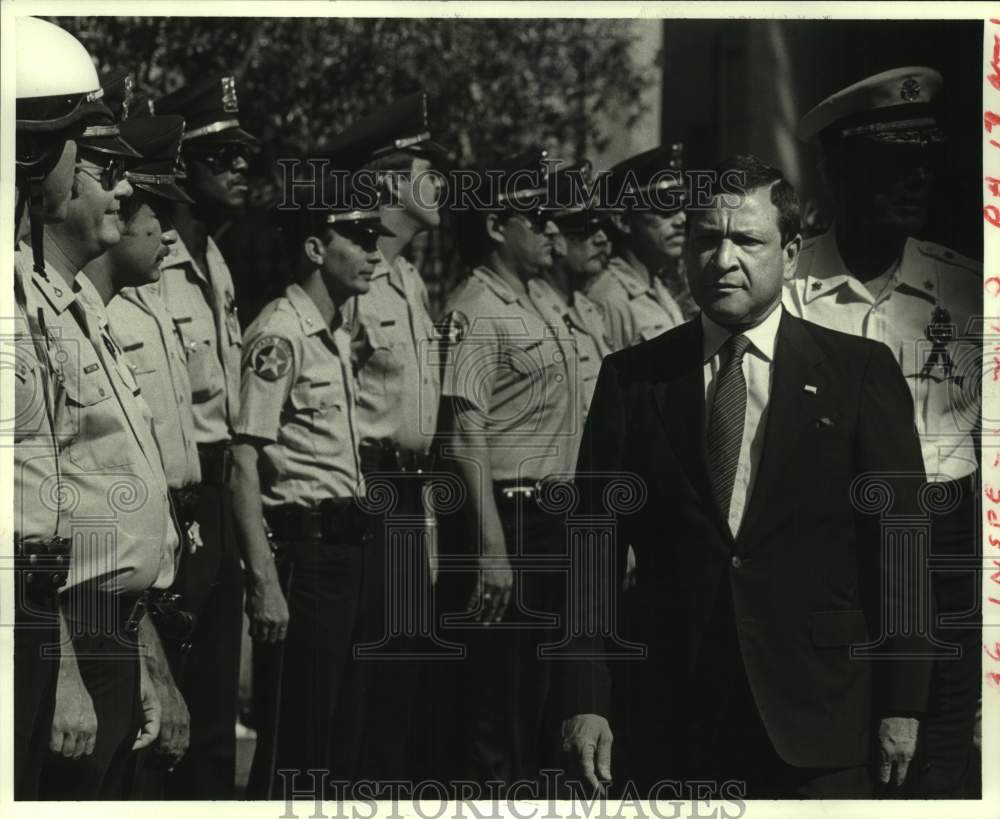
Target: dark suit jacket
[(806, 583)]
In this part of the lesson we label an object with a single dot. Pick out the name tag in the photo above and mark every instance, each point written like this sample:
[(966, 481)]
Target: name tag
[(137, 346), (91, 368)]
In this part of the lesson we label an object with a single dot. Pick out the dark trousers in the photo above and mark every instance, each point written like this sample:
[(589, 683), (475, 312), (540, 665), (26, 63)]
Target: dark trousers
[(210, 583), (36, 670), (494, 707), (108, 658), (308, 692), (945, 758), (397, 635)]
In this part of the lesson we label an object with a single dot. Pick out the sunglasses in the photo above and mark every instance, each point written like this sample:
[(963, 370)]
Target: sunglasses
[(222, 158), (537, 219), (367, 240), (109, 175)]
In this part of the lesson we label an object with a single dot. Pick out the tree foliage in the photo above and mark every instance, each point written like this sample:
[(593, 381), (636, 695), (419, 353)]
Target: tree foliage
[(495, 86)]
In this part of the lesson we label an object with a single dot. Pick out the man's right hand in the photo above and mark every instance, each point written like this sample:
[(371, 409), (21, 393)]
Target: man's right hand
[(491, 595), (74, 723), (586, 741), (267, 610)]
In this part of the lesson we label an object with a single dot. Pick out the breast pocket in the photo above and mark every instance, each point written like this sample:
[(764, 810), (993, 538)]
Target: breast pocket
[(379, 360), (99, 435), (318, 410), (651, 331), (204, 369), (534, 369)]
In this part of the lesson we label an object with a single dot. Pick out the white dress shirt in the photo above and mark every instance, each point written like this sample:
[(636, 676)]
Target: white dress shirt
[(929, 278), (758, 369)]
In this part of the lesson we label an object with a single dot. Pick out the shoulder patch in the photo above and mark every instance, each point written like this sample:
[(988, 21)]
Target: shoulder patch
[(271, 357)]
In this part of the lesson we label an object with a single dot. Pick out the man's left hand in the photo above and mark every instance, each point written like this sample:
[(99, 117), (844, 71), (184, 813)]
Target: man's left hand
[(897, 740)]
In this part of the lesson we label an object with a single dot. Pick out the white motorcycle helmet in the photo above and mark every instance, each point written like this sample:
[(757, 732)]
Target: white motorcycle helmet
[(55, 77)]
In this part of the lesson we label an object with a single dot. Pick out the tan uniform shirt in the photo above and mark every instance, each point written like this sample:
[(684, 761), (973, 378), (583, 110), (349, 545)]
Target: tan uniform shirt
[(633, 311), (398, 379), (149, 338), (928, 280), (587, 333), (203, 307), (514, 368), (36, 515), (115, 508), (298, 397)]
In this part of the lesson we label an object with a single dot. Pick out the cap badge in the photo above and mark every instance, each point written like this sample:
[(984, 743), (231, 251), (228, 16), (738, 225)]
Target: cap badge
[(229, 102), (129, 88), (909, 89)]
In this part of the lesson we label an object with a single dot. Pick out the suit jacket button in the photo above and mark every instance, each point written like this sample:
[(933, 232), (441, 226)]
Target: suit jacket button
[(736, 561)]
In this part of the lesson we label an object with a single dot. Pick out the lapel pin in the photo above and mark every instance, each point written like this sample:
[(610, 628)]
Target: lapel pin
[(824, 422), (810, 388)]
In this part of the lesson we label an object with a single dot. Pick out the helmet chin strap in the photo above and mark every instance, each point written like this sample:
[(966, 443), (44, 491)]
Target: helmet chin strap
[(36, 213)]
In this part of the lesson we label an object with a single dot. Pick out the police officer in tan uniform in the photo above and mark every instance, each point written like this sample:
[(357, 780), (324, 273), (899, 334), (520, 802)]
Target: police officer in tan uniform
[(869, 275), (398, 395), (197, 288), (46, 157), (117, 514), (648, 244), (143, 329), (579, 254), (296, 463), (509, 418)]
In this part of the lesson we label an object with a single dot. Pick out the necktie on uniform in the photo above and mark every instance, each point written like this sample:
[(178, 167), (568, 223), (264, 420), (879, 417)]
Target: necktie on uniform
[(725, 428)]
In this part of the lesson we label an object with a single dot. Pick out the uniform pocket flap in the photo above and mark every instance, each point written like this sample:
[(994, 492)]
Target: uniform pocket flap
[(652, 331), (379, 338), (838, 628), (314, 397), (532, 357), (87, 389)]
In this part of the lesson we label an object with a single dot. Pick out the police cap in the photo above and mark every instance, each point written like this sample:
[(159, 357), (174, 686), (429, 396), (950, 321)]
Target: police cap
[(158, 140), (651, 180), (210, 109), (399, 126), (895, 106)]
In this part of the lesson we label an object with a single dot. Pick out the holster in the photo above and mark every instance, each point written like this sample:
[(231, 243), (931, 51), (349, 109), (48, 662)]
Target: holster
[(43, 566)]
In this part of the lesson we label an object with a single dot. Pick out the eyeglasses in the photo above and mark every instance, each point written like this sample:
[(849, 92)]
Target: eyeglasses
[(222, 158), (110, 174)]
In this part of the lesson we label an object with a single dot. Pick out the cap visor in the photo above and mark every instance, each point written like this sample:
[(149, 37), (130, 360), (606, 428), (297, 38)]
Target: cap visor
[(110, 145), (363, 226), (230, 135), (164, 190)]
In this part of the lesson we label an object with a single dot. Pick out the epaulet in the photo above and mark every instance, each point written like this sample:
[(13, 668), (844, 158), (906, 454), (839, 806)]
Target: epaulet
[(948, 256), (277, 316)]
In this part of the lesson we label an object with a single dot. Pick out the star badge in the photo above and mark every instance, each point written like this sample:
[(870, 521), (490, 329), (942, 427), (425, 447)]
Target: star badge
[(271, 358), (454, 328)]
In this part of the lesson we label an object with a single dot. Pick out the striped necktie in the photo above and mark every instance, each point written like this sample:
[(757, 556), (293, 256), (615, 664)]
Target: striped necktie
[(725, 428)]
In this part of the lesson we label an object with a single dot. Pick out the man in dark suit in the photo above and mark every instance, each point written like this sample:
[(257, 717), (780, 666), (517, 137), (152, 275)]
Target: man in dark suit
[(757, 573)]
